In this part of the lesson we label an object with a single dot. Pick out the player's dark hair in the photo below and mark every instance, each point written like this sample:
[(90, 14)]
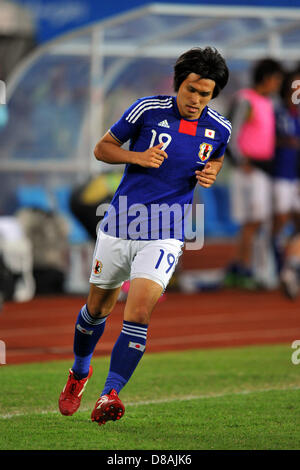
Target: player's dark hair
[(265, 68), (285, 84), (207, 63)]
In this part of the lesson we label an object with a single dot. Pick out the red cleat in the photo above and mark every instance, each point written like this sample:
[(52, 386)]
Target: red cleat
[(108, 407), (70, 397)]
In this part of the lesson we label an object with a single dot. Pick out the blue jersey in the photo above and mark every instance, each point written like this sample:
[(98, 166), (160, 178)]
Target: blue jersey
[(143, 192), (286, 161)]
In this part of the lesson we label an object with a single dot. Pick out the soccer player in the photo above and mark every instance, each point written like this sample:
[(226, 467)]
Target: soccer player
[(286, 163), (175, 143), (252, 147)]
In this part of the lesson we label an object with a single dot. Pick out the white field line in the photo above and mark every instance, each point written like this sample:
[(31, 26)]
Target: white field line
[(160, 401)]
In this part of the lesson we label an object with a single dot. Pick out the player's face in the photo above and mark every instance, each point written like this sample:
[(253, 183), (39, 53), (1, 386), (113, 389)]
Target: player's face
[(193, 95), (272, 83)]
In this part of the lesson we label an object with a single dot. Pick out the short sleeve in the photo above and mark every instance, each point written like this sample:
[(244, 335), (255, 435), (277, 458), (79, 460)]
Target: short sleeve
[(221, 150), (129, 125)]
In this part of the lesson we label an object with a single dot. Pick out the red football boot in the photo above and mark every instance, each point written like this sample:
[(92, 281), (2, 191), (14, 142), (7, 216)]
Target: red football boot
[(70, 397), (108, 407)]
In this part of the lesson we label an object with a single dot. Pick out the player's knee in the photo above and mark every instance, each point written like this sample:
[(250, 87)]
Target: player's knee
[(139, 314), (100, 302), (98, 310)]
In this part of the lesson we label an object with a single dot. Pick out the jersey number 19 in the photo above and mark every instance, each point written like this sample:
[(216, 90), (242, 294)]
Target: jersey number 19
[(163, 138)]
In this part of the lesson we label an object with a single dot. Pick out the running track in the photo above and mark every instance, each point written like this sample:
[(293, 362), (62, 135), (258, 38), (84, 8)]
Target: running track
[(42, 329)]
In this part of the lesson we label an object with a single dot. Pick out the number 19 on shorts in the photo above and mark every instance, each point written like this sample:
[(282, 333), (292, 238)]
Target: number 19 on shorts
[(165, 258)]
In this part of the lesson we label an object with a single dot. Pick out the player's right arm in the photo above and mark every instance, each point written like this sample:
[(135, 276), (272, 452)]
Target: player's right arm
[(109, 150)]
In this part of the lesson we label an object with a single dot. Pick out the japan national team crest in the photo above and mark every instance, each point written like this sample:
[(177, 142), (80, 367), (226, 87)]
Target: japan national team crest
[(205, 151), (98, 267)]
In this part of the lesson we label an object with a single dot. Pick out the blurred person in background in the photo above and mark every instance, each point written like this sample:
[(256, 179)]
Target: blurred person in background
[(290, 255), (290, 272), (252, 148), (175, 143), (286, 200)]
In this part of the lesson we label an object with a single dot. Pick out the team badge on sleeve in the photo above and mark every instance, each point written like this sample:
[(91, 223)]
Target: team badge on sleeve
[(209, 133), (205, 151), (98, 267)]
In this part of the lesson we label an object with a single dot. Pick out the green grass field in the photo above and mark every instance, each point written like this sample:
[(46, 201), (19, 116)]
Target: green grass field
[(240, 398)]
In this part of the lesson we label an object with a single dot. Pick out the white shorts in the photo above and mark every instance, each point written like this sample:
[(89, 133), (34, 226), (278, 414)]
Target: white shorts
[(251, 196), (116, 260), (286, 196)]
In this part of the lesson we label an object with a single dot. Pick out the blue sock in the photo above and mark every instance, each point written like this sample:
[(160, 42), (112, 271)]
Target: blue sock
[(278, 253), (88, 331), (126, 354)]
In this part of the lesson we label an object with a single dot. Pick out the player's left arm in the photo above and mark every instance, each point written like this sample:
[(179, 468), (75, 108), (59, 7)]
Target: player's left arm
[(208, 175)]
